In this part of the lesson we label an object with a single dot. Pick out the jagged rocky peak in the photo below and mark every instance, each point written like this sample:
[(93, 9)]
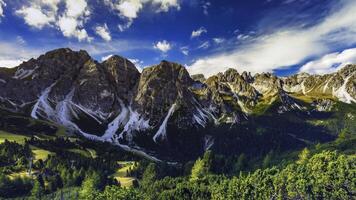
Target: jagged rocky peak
[(125, 75), (267, 83), (347, 70), (38, 74), (160, 87), (247, 76)]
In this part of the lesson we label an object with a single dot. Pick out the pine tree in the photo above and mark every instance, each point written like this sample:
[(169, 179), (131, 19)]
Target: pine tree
[(37, 190)]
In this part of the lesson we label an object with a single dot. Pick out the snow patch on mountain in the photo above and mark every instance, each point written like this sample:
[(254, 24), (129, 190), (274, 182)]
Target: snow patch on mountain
[(200, 117), (342, 93), (135, 123), (23, 73), (114, 126), (161, 133), (97, 116), (43, 105), (326, 86)]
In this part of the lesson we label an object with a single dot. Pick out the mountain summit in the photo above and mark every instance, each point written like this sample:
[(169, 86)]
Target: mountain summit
[(162, 110)]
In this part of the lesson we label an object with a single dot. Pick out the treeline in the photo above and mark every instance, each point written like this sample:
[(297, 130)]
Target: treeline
[(326, 175)]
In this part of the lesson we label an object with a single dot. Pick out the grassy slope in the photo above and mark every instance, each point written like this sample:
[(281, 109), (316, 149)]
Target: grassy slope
[(121, 173), (12, 137)]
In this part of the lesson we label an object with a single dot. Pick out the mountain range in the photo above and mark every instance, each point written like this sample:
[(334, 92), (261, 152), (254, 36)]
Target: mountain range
[(164, 113)]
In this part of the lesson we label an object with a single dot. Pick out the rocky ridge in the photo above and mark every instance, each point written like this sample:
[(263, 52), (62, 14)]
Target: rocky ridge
[(111, 101)]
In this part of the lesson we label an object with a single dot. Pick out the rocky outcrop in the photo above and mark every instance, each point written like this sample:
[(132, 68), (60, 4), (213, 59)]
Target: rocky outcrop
[(159, 88), (124, 74)]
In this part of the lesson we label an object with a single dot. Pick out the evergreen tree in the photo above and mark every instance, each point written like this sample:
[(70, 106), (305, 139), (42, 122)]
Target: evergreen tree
[(202, 166), (37, 190)]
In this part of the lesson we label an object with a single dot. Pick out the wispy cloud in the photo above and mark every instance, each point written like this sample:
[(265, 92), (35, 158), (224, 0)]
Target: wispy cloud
[(206, 6), (286, 46), (204, 45), (185, 50), (218, 40), (129, 9), (197, 33), (330, 62)]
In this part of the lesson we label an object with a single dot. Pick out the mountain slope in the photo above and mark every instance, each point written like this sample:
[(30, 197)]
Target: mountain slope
[(169, 114)]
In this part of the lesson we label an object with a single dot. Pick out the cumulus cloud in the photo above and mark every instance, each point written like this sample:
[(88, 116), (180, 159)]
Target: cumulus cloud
[(130, 9), (36, 16), (162, 46), (330, 62), (103, 32), (285, 47), (165, 5), (41, 13), (2, 6), (71, 23), (198, 32)]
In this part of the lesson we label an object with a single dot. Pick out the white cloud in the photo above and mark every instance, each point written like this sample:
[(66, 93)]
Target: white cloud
[(198, 32), (103, 32), (138, 64), (285, 47), (10, 59), (106, 57), (330, 62), (2, 6), (130, 9), (20, 40), (218, 40), (204, 45), (71, 22), (36, 17), (165, 5), (123, 27), (163, 46), (184, 50), (10, 63), (41, 13), (242, 37), (206, 6)]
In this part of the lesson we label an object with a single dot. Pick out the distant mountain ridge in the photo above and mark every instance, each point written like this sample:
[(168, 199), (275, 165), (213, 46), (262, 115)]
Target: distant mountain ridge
[(163, 107)]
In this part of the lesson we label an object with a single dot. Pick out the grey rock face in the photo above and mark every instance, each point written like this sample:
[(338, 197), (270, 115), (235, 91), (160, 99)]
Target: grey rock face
[(160, 87)]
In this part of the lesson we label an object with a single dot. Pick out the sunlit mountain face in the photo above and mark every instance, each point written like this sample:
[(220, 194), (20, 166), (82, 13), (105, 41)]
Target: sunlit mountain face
[(279, 36), (177, 99)]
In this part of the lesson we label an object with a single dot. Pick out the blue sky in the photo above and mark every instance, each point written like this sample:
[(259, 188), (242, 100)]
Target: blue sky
[(207, 36)]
